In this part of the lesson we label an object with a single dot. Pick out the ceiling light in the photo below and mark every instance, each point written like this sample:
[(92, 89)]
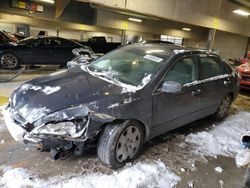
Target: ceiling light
[(47, 1), (241, 12), (135, 20), (186, 29)]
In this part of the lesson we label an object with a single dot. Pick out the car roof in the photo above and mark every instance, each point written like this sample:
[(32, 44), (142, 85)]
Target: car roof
[(179, 49)]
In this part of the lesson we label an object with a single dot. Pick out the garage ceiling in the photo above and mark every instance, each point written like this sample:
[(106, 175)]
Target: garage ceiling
[(245, 3)]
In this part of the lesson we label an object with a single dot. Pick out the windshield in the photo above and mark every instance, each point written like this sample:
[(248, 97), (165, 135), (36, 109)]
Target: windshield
[(133, 65)]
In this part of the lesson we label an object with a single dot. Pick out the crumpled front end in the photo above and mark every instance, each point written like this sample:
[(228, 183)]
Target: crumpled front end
[(67, 129)]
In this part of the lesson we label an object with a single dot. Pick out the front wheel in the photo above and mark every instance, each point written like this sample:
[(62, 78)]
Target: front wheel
[(120, 143), (223, 108), (9, 61)]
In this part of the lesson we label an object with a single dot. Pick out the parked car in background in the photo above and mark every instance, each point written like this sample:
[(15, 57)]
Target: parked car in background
[(37, 50), (244, 71), (99, 44), (121, 100)]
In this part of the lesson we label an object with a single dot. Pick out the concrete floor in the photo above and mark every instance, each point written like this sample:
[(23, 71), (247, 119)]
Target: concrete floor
[(18, 155)]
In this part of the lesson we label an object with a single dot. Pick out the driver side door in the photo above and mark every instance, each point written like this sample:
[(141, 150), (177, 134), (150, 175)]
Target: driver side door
[(171, 110)]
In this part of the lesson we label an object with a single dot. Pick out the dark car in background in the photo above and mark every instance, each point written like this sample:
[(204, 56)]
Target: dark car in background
[(99, 44), (121, 100), (37, 50)]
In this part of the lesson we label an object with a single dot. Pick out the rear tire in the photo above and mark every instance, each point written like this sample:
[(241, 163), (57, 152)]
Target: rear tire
[(120, 143), (9, 61), (223, 108)]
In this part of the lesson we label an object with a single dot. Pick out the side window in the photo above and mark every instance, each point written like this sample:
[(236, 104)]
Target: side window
[(57, 42), (184, 71), (66, 43), (209, 67), (45, 42), (35, 43)]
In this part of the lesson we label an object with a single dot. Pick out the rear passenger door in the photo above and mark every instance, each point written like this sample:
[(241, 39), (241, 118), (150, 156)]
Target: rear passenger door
[(213, 82), (63, 50), (41, 50)]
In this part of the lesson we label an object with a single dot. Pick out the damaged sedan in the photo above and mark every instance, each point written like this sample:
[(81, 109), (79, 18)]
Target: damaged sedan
[(119, 101)]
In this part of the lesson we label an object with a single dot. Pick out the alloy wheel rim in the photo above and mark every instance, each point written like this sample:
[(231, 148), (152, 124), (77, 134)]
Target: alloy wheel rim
[(223, 109), (8, 61), (128, 144)]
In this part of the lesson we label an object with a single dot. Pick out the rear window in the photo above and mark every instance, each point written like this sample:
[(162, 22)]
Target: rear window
[(209, 67)]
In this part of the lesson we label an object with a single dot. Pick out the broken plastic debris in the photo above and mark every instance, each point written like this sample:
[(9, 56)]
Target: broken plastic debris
[(242, 158), (2, 142), (191, 183), (221, 183), (219, 169), (183, 170)]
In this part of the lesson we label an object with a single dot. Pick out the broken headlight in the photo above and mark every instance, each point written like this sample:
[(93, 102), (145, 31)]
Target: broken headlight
[(72, 129)]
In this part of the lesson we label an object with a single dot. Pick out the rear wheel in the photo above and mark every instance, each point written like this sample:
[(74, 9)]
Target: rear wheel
[(120, 143), (223, 108), (9, 61)]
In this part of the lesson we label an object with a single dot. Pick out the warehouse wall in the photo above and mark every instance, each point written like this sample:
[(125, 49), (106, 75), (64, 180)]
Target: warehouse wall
[(9, 27), (68, 34), (119, 21), (49, 32), (230, 45), (195, 12)]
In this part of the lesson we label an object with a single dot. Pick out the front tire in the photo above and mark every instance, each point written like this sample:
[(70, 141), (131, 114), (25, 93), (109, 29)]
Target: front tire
[(223, 108), (120, 143), (9, 61)]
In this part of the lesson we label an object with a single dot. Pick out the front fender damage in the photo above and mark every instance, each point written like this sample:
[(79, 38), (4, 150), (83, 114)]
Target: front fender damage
[(73, 124)]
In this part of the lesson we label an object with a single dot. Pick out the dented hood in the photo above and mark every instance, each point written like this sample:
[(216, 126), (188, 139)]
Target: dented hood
[(57, 91)]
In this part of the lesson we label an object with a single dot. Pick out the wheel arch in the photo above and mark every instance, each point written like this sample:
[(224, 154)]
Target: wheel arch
[(232, 96), (145, 128)]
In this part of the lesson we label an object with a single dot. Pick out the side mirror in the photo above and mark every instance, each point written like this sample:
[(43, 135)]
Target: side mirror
[(171, 87)]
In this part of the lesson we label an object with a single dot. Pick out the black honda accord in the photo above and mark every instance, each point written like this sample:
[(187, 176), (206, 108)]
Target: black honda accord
[(121, 100)]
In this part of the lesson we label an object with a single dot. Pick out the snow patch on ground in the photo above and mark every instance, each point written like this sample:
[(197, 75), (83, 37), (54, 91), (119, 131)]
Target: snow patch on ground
[(218, 169), (150, 174), (223, 139)]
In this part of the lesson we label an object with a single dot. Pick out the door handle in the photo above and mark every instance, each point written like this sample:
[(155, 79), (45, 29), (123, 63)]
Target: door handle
[(226, 83), (196, 92)]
